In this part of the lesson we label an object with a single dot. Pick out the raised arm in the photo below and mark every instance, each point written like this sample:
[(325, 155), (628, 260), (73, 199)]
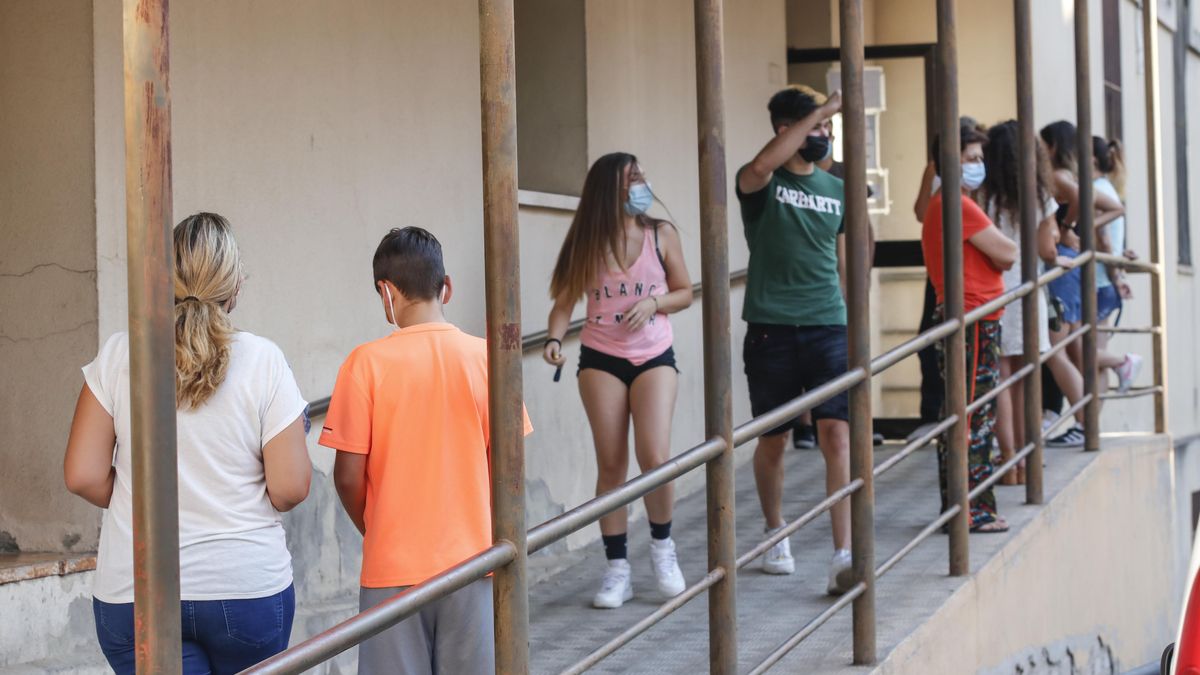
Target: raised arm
[(924, 192), (755, 175)]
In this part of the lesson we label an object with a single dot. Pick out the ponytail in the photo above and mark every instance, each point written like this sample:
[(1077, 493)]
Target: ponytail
[(207, 277), (1110, 159), (1117, 175)]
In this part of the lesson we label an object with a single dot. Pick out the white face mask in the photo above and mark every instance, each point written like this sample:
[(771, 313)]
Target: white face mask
[(391, 306), (973, 174)]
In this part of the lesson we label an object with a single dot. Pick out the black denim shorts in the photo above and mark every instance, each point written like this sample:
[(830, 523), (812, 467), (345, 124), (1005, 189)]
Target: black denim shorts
[(620, 368), (783, 362)]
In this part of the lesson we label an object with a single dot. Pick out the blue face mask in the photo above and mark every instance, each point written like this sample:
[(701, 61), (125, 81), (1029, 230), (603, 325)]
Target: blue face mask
[(973, 174), (640, 199)]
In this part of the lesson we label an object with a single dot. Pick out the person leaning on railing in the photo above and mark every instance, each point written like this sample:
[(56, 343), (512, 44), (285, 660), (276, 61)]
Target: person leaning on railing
[(240, 428), (1001, 198), (986, 254), (1059, 139), (1108, 165)]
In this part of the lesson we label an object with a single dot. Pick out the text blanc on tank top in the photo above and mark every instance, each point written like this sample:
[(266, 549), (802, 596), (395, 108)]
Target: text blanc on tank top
[(613, 294)]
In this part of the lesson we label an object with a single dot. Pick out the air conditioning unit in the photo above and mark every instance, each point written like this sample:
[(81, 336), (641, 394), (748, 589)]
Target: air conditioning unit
[(874, 92)]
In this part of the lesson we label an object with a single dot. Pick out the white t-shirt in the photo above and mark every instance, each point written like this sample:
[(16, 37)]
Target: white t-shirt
[(231, 540), (1116, 230), (1011, 323)]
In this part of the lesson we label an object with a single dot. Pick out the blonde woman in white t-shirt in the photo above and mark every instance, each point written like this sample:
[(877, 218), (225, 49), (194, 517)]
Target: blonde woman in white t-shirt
[(240, 429)]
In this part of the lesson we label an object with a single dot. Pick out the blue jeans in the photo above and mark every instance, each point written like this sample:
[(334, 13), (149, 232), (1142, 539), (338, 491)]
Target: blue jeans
[(219, 636)]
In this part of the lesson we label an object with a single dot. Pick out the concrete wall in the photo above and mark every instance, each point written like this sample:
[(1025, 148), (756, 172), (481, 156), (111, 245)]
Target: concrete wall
[(47, 266), (1087, 587), (337, 132)]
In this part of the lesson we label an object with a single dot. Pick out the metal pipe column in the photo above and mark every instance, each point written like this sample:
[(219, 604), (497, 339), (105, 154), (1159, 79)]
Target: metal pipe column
[(148, 215), (952, 247), (1158, 282), (1030, 208), (858, 333), (1085, 226), (718, 373), (501, 252)]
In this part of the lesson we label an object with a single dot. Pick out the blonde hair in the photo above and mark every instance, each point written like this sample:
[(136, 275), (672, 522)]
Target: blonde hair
[(208, 272)]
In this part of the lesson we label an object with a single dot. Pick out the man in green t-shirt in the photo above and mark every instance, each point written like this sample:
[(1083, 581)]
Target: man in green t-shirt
[(794, 306)]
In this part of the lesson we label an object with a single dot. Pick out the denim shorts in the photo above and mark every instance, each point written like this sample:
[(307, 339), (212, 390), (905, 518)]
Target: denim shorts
[(622, 369), (783, 362), (219, 636), (1107, 302), (1068, 288)]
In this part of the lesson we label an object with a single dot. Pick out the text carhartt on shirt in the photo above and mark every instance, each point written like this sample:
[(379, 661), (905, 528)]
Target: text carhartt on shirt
[(803, 200)]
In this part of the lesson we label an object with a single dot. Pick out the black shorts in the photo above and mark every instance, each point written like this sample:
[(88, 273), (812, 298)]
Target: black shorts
[(620, 368), (783, 362)]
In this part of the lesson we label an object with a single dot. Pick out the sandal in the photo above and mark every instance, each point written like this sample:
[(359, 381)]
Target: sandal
[(992, 527)]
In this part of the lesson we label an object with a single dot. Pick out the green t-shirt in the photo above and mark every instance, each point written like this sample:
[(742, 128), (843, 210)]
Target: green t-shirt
[(792, 227)]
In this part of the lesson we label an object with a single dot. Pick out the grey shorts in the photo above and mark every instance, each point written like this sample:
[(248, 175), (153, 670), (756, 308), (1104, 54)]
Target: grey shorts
[(451, 636)]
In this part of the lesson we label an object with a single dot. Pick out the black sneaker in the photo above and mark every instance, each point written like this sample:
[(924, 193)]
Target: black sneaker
[(804, 437), (1070, 438)]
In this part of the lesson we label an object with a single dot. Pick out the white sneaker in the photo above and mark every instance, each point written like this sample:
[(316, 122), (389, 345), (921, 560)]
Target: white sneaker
[(841, 572), (616, 587), (666, 567), (1049, 417), (778, 559), (1128, 371)]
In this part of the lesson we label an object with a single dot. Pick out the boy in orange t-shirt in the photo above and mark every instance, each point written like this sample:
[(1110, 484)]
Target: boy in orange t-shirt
[(409, 419)]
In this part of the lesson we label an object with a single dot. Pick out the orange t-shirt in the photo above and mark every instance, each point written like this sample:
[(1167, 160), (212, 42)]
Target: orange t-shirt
[(982, 281), (416, 403)]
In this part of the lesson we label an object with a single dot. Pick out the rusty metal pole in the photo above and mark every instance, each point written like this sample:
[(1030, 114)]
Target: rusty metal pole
[(1030, 262), (952, 250), (718, 369), (1087, 215), (158, 646), (501, 255), (1158, 282), (858, 328)]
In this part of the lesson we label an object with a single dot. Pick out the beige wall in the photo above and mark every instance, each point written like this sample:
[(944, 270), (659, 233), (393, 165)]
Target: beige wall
[(47, 266), (337, 132)]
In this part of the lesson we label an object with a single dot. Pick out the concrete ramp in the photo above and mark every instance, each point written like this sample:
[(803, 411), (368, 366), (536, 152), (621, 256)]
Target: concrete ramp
[(1083, 584)]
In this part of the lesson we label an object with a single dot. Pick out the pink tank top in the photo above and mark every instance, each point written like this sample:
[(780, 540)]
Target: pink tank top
[(615, 293)]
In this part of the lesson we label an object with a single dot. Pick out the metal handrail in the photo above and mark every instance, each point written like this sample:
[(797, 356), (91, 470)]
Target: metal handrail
[(1136, 392), (369, 622), (1126, 263), (809, 628)]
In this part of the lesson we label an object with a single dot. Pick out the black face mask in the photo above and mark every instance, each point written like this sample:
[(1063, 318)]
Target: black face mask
[(815, 149)]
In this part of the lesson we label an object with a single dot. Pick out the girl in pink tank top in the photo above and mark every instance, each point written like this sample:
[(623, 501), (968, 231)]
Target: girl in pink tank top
[(630, 270)]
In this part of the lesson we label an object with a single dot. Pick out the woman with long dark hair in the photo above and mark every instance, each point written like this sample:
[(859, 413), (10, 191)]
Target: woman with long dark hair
[(242, 460), (1001, 199), (1059, 139), (630, 269)]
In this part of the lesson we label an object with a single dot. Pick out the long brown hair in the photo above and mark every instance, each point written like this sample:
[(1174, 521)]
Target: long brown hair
[(1002, 184), (208, 271), (596, 229)]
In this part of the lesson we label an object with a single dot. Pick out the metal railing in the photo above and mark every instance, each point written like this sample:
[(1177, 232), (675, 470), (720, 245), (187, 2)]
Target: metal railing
[(147, 162)]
